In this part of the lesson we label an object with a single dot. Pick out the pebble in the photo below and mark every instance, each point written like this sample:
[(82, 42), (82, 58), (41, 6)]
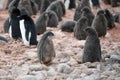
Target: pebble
[(3, 72), (38, 67), (63, 68), (114, 59), (6, 78), (27, 77), (72, 62)]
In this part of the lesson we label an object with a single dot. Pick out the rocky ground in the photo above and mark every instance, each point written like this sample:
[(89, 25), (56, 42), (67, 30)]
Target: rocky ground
[(18, 62)]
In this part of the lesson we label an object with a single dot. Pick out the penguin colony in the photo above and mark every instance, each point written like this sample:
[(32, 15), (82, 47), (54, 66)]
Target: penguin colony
[(85, 25)]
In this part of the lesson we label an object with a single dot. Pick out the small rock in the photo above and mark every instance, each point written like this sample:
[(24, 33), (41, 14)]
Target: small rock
[(103, 77), (72, 62), (38, 67), (52, 72), (75, 74), (65, 58), (83, 67), (83, 74), (6, 78), (27, 77), (117, 78), (25, 69), (114, 59), (16, 71), (63, 68), (79, 79), (92, 77), (78, 57), (40, 75), (70, 78), (3, 72)]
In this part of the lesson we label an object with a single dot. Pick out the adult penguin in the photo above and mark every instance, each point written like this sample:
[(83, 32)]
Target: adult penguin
[(28, 30), (14, 29), (69, 4)]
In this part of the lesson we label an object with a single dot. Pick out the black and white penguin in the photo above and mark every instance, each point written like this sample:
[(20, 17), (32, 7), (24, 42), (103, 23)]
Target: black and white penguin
[(14, 29), (69, 4), (28, 30), (95, 3)]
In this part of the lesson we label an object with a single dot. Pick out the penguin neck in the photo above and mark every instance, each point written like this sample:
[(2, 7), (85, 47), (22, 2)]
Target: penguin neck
[(44, 37), (92, 34), (12, 17)]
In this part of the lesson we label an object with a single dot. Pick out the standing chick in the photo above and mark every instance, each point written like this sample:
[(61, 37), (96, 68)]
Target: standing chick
[(45, 48), (81, 5), (88, 13), (42, 22), (110, 19), (100, 23), (92, 48), (81, 24)]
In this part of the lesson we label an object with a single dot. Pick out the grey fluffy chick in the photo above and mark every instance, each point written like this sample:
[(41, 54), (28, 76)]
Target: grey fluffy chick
[(45, 48), (92, 48), (100, 23)]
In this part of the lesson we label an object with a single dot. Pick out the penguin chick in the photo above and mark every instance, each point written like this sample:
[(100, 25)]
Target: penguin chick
[(81, 24), (88, 14), (110, 19), (117, 17), (42, 22), (67, 26), (100, 23), (53, 19), (81, 5), (45, 48), (92, 48)]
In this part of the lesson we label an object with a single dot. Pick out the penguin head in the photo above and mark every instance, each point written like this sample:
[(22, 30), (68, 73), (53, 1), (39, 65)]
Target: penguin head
[(85, 10), (49, 12), (48, 34), (15, 12), (23, 11), (90, 31), (107, 12), (83, 20), (101, 12)]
